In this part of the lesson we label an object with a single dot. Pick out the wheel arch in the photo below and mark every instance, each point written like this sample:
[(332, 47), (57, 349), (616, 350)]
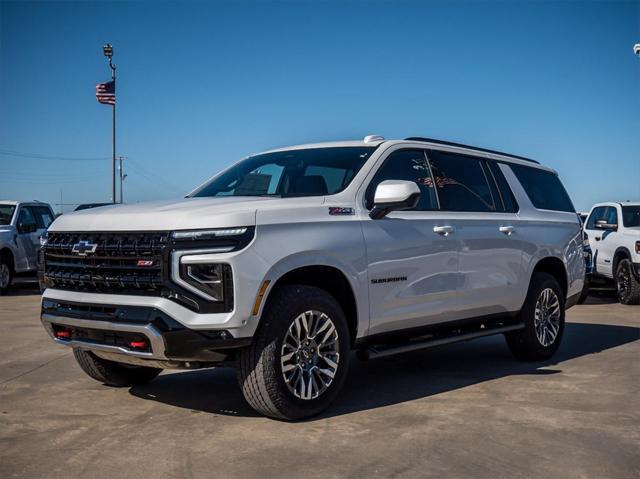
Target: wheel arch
[(556, 268), (621, 253), (6, 253), (327, 277)]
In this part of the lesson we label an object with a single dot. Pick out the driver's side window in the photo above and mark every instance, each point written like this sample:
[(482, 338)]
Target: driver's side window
[(598, 213), (26, 221), (408, 165)]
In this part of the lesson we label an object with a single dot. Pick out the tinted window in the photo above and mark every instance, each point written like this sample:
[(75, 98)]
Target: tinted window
[(408, 165), (597, 214), (612, 215), (26, 217), (290, 173), (43, 216), (631, 216), (543, 188), (6, 213), (462, 182), (508, 200)]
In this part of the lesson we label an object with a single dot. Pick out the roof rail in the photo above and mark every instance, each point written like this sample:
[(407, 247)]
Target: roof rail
[(485, 150)]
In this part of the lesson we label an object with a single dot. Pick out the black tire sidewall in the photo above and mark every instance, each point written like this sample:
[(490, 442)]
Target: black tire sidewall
[(272, 333), (5, 289), (633, 295), (525, 343)]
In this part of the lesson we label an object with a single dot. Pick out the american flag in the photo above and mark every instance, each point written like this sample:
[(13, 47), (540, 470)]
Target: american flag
[(106, 92), (441, 181)]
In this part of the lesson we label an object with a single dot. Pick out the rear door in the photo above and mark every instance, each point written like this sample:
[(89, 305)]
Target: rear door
[(490, 256), (27, 228), (413, 270)]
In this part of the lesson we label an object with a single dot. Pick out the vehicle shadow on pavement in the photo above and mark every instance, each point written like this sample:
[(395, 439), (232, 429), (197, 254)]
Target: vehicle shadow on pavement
[(24, 288), (395, 379)]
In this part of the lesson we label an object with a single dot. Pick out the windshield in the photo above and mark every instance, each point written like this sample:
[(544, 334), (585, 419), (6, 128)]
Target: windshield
[(6, 213), (631, 216), (291, 173)]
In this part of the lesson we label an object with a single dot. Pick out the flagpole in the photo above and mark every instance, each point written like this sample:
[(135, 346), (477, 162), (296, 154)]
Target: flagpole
[(108, 52)]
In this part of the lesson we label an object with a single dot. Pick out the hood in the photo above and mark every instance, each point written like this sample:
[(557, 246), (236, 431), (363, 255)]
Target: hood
[(186, 213)]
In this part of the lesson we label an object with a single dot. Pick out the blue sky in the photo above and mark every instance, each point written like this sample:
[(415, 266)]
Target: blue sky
[(201, 85)]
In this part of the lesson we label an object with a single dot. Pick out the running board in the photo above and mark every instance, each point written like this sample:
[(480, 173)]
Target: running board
[(380, 351)]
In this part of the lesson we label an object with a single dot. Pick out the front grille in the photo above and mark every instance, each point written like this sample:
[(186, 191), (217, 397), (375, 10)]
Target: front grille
[(125, 263)]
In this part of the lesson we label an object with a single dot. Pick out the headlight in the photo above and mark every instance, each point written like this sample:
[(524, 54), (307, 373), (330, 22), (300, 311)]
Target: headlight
[(207, 234), (208, 278), (43, 239)]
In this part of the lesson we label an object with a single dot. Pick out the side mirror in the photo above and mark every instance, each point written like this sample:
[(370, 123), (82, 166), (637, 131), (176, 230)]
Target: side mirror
[(392, 195), (603, 225)]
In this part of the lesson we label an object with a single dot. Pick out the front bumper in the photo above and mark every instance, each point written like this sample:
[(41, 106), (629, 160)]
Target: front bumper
[(137, 335)]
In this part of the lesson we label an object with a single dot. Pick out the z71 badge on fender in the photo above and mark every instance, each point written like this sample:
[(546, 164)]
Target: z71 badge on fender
[(395, 279)]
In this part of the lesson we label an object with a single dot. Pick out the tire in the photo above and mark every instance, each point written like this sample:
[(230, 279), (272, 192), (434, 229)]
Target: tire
[(627, 285), (526, 344), (6, 275), (112, 373), (261, 365)]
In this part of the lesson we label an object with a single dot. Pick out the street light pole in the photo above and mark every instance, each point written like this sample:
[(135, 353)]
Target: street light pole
[(108, 52)]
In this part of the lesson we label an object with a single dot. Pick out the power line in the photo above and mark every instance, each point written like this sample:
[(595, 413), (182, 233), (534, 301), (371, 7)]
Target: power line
[(38, 156)]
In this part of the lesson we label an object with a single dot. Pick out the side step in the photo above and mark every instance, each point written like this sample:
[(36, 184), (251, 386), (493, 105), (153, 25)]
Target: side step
[(454, 336)]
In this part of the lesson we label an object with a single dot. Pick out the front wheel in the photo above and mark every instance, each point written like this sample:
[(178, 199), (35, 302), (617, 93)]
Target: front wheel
[(543, 318), (299, 357), (627, 286), (6, 275), (112, 373)]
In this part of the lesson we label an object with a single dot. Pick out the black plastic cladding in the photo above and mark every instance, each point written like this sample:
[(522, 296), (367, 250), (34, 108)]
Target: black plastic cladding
[(60, 244)]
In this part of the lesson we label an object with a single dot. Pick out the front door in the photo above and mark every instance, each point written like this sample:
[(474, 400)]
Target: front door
[(412, 260), (27, 228)]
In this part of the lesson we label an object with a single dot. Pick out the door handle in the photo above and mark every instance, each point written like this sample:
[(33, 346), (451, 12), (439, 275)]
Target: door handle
[(597, 238), (508, 230), (443, 230)]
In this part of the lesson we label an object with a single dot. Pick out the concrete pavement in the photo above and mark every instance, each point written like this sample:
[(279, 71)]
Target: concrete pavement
[(466, 410)]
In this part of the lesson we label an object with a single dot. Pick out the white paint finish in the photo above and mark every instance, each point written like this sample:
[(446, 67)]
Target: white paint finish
[(474, 269)]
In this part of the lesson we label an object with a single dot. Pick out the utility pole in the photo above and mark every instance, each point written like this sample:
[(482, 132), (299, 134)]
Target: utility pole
[(122, 178), (108, 52)]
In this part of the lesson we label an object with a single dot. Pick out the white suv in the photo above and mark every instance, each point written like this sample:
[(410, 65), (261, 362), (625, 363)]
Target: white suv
[(286, 261), (613, 230)]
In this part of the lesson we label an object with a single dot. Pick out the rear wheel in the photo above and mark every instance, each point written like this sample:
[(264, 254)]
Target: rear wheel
[(112, 373), (627, 286), (298, 360), (543, 318), (6, 274)]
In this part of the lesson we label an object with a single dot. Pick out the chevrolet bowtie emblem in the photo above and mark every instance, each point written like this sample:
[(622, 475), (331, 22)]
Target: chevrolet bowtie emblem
[(83, 248)]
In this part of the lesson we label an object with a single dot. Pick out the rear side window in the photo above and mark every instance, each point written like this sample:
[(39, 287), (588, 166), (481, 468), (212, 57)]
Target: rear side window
[(462, 183), (509, 201), (543, 188), (43, 216)]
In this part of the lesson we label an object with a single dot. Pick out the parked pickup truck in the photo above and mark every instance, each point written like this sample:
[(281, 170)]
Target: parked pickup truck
[(285, 262), (21, 225), (613, 230)]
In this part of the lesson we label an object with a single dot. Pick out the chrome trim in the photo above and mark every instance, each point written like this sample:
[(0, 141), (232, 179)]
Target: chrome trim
[(199, 257), (151, 333)]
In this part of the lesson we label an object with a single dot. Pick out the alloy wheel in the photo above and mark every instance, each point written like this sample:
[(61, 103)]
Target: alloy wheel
[(623, 283), (310, 355), (547, 317)]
